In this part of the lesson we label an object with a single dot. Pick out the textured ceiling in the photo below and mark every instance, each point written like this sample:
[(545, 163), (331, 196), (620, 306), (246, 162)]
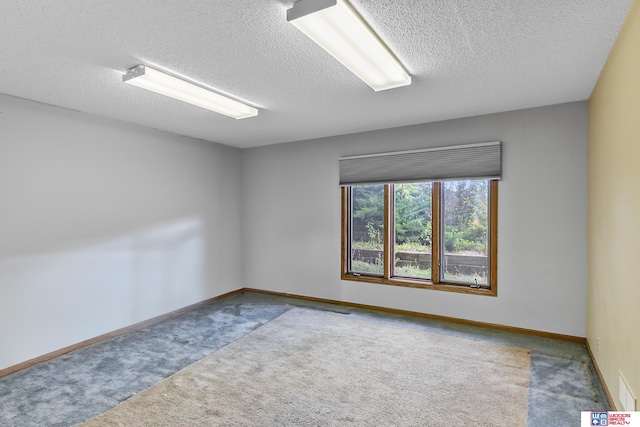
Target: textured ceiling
[(466, 57)]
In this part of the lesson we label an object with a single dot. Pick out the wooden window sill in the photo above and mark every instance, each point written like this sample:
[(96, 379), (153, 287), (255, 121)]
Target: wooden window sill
[(422, 284)]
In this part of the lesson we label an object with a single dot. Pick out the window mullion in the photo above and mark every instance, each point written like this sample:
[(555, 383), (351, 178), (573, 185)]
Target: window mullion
[(436, 232), (493, 236), (388, 231), (345, 266)]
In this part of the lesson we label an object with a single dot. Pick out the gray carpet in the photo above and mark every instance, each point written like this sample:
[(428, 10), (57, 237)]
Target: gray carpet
[(80, 385), (313, 368)]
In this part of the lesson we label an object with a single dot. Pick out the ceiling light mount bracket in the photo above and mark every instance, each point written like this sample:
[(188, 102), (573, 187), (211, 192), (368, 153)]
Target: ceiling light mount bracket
[(134, 72), (304, 7)]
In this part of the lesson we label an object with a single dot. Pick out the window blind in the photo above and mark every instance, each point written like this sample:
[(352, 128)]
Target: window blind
[(458, 162)]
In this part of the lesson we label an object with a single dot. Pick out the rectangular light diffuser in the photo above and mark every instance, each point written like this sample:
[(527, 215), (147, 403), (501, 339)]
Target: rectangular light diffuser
[(156, 81), (340, 30)]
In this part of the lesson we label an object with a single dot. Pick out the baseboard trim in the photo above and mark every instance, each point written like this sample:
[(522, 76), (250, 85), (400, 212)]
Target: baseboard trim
[(580, 340), (135, 327), (150, 322), (601, 377)]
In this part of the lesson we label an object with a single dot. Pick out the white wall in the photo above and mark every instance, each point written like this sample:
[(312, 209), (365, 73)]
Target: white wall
[(291, 218), (105, 224)]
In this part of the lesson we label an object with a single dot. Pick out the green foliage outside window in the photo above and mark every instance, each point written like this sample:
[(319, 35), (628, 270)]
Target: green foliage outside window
[(413, 213), (465, 216)]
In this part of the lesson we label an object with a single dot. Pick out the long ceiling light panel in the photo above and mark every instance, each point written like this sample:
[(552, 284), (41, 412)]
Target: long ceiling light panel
[(156, 81), (340, 30)]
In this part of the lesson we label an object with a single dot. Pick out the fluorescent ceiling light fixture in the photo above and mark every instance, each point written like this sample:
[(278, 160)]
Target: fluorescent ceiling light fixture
[(340, 30), (156, 81)]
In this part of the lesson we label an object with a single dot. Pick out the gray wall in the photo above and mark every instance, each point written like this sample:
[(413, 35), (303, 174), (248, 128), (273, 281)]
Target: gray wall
[(291, 218), (105, 224)]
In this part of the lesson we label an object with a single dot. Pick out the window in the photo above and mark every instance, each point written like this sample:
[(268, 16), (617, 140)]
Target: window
[(367, 231), (431, 234), (423, 218)]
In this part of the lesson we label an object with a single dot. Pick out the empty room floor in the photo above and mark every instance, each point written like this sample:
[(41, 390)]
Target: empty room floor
[(80, 385)]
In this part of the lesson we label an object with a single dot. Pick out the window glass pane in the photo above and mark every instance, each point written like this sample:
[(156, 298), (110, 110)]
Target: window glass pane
[(412, 230), (465, 223), (367, 229)]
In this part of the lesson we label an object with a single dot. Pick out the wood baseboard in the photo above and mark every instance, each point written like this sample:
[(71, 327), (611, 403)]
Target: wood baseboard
[(127, 329), (580, 340), (601, 377), (175, 313)]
